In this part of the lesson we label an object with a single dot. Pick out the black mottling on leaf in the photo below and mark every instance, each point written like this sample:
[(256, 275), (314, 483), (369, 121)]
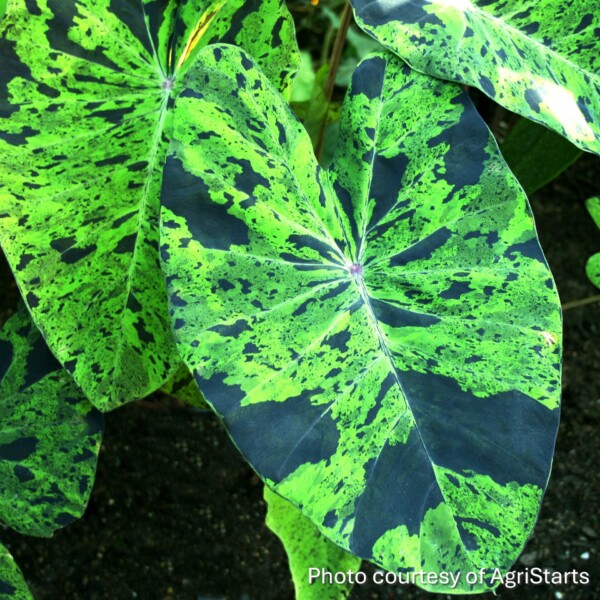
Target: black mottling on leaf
[(74, 255), (132, 14), (234, 330), (380, 13), (40, 363), (398, 317), (368, 78), (330, 519), (338, 341), (300, 432), (487, 86), (532, 97), (394, 496), (209, 222), (32, 300), (225, 397), (126, 244), (138, 166), (467, 536), (248, 179), (503, 452), (466, 141), (456, 290), (113, 115), (23, 474), (46, 90), (422, 250), (386, 184), (531, 28), (144, 335), (63, 519), (84, 455), (18, 450), (7, 588), (113, 160), (237, 22), (530, 249), (585, 22), (18, 139)]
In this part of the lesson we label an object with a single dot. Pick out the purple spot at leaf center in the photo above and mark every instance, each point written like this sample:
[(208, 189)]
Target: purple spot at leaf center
[(356, 269)]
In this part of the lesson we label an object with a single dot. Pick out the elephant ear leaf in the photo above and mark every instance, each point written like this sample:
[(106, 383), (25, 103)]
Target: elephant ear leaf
[(592, 267), (307, 548), (382, 340), (86, 91), (49, 435), (12, 584), (540, 60)]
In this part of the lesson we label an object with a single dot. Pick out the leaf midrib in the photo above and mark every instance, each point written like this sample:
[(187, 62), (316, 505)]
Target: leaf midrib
[(133, 266), (364, 294)]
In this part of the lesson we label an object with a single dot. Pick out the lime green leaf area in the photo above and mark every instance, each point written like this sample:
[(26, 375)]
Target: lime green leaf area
[(538, 59), (307, 549), (381, 339), (12, 584), (86, 89), (592, 267), (49, 435)]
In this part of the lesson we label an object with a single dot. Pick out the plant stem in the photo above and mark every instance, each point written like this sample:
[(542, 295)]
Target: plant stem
[(582, 302), (334, 63)]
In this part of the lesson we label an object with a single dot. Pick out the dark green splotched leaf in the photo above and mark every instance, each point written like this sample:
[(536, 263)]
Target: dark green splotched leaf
[(536, 155), (49, 435), (538, 59), (12, 584), (307, 549), (382, 339), (182, 386), (85, 94), (592, 267)]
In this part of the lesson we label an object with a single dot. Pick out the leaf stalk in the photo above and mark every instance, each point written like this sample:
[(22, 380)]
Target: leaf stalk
[(334, 63)]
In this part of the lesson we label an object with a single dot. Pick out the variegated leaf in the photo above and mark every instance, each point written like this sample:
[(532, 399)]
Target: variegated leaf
[(307, 548), (49, 435), (382, 340), (538, 59), (182, 386), (592, 267), (86, 89), (12, 584)]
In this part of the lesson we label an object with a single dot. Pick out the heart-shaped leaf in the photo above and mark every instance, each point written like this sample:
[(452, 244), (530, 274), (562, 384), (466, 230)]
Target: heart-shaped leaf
[(538, 59), (49, 435), (382, 340), (592, 267), (12, 584), (308, 549), (86, 88)]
